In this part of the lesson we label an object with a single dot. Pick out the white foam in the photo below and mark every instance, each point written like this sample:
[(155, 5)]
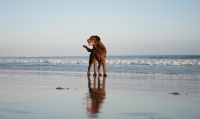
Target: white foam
[(169, 62), (163, 62)]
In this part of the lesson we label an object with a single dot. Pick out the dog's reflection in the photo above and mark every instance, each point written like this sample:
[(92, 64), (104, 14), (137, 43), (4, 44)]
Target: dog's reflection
[(97, 94)]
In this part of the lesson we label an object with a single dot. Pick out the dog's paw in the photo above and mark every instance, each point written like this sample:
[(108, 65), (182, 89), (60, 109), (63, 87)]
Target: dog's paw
[(105, 75), (94, 74), (84, 46), (88, 74)]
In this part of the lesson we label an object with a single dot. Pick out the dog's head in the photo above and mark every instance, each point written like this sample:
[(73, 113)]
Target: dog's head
[(93, 40)]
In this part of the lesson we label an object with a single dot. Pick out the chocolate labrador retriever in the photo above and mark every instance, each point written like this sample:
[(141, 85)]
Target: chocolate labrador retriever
[(98, 53)]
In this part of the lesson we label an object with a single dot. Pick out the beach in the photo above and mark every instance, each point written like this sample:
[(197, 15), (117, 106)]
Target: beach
[(33, 94), (147, 49)]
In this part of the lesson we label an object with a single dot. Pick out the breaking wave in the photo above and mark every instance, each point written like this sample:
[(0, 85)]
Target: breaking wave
[(162, 62)]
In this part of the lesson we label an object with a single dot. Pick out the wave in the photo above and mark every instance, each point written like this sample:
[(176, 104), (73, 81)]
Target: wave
[(162, 62), (168, 62)]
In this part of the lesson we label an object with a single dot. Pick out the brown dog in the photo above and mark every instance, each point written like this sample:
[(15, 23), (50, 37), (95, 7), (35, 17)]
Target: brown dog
[(98, 53)]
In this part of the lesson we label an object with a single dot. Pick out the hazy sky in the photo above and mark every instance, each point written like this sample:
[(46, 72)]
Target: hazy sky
[(126, 27)]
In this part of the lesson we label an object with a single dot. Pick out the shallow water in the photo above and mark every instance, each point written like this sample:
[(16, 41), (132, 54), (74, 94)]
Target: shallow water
[(149, 64), (33, 94)]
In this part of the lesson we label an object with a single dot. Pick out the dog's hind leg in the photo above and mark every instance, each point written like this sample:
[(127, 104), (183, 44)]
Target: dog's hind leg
[(99, 68), (104, 68)]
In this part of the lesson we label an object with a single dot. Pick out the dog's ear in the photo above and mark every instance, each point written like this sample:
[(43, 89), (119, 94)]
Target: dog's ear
[(98, 38)]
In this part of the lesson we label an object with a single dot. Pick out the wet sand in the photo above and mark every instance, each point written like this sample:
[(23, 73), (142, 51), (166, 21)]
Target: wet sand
[(33, 95)]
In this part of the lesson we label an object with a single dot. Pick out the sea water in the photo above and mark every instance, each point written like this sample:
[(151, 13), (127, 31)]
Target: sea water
[(145, 64)]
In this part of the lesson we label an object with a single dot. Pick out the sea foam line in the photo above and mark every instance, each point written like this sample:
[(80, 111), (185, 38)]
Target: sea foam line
[(163, 62)]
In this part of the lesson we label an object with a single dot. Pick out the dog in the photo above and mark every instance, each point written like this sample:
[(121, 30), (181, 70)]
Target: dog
[(98, 53)]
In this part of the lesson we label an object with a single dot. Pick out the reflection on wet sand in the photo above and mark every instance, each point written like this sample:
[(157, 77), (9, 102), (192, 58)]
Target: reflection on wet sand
[(96, 95)]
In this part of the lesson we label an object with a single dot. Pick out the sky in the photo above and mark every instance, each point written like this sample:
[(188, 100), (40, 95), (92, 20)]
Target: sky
[(126, 27)]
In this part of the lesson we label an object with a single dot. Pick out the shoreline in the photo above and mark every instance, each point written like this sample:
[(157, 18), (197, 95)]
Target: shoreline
[(85, 72)]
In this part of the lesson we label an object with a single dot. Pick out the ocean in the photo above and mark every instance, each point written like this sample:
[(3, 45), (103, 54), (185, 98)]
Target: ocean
[(144, 64)]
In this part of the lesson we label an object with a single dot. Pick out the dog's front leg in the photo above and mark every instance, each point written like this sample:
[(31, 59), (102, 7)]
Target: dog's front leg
[(88, 72), (94, 67), (88, 49)]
